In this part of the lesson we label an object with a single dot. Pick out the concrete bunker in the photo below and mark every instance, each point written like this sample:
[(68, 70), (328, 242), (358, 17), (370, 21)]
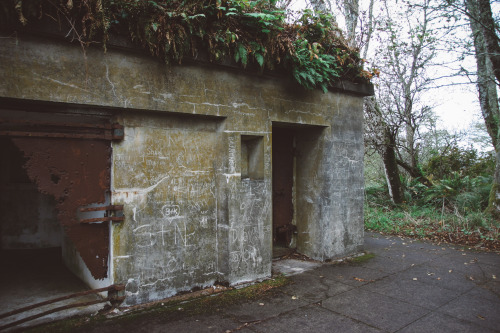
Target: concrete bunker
[(192, 154)]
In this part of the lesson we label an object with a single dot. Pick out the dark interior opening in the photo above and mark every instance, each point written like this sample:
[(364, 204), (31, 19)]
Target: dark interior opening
[(296, 162), (31, 239), (283, 182)]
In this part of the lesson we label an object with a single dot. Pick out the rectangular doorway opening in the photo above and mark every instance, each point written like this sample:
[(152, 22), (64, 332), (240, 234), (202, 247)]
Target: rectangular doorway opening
[(297, 152), (283, 147), (31, 243), (54, 173)]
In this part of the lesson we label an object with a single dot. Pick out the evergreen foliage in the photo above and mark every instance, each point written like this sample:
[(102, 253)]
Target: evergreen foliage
[(311, 49), (452, 209)]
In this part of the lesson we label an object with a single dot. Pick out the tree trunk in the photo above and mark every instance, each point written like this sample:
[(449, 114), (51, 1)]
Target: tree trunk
[(351, 14), (415, 173), (485, 82), (487, 26), (321, 5), (391, 167), (371, 27), (494, 200), (488, 97)]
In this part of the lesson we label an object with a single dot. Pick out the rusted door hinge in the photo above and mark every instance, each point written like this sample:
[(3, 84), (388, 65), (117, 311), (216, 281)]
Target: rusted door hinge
[(112, 213)]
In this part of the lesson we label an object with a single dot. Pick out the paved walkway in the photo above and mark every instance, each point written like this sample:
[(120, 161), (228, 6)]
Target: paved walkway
[(409, 286)]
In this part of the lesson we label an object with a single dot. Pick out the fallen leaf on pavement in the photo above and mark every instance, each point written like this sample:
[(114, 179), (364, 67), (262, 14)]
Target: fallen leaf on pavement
[(362, 280)]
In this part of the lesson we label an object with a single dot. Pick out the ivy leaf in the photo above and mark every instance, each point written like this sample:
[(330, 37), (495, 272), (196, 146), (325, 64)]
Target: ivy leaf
[(259, 58), (195, 16), (242, 51), (324, 87), (154, 25)]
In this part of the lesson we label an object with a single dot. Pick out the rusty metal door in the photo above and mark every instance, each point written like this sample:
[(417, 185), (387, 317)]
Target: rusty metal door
[(282, 186), (71, 162)]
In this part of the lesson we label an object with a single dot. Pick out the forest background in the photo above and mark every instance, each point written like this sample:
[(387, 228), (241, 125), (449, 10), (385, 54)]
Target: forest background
[(431, 163)]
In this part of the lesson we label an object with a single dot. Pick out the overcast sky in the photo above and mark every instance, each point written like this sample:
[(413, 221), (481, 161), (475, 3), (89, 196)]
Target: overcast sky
[(456, 106)]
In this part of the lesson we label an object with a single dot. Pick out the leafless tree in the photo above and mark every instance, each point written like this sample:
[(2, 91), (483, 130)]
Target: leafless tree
[(406, 46), (487, 53)]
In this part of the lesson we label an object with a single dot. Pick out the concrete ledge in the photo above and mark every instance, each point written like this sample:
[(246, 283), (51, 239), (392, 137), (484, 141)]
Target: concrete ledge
[(47, 30)]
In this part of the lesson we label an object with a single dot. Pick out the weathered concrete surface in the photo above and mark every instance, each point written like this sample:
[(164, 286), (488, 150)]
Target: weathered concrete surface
[(164, 173), (409, 286), (191, 216)]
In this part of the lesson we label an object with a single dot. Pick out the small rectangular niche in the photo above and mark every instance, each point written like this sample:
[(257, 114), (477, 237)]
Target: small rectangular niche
[(252, 157)]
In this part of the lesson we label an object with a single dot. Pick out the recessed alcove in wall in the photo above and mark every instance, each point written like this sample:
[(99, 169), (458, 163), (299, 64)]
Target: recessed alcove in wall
[(252, 157), (297, 160)]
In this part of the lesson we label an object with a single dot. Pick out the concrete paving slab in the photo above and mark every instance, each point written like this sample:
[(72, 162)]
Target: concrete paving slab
[(438, 276), (491, 272), (292, 266), (489, 258), (466, 265), (390, 265), (375, 242), (485, 291), (313, 287), (493, 287), (153, 324), (265, 308), (478, 310), (470, 265), (306, 287), (335, 287), (414, 292), (354, 275), (380, 311), (312, 319), (439, 322), (411, 256)]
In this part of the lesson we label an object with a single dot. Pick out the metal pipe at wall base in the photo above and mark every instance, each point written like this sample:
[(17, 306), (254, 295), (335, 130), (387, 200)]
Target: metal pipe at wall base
[(116, 295)]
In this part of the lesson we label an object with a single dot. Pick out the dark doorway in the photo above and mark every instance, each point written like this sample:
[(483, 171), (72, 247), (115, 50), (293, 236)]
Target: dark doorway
[(58, 165), (31, 241), (283, 179)]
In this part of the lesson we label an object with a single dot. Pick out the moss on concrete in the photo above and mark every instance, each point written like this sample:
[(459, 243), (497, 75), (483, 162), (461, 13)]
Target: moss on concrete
[(363, 258), (170, 310)]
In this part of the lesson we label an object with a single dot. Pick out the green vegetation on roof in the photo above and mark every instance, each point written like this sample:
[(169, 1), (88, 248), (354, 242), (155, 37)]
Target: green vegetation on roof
[(309, 47)]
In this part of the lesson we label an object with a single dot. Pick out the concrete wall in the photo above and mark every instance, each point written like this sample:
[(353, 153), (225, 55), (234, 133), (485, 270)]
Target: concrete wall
[(191, 217)]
